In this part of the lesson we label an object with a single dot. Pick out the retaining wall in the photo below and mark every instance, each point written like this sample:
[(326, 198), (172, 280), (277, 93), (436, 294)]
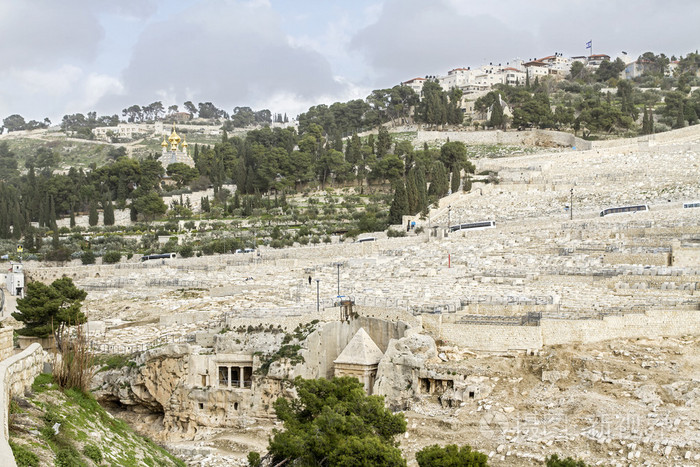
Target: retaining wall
[(516, 138), (16, 374), (6, 344), (652, 324)]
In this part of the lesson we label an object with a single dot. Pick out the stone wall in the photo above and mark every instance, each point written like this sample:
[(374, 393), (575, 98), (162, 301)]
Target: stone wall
[(6, 344), (652, 324), (517, 138), (16, 374)]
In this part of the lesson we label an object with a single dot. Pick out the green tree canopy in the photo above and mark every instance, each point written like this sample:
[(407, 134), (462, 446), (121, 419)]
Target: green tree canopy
[(333, 422), (50, 308)]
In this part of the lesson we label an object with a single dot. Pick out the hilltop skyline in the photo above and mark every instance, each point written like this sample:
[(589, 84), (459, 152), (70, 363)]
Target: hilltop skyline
[(79, 56)]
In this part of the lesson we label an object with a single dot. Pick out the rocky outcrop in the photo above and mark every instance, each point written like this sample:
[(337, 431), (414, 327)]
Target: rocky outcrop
[(398, 370), (153, 382)]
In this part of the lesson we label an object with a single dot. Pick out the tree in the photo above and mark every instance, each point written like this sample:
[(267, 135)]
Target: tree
[(453, 154), (189, 107), (333, 422), (496, 120), (450, 456), (14, 123), (182, 173), (93, 216), (150, 205), (399, 205), (454, 182), (108, 209), (48, 309)]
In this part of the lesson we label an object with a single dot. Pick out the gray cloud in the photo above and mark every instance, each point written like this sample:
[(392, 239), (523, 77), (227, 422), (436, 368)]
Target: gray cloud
[(230, 53), (46, 33), (415, 38)]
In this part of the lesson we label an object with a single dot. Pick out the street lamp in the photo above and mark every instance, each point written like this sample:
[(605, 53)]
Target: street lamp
[(318, 300)]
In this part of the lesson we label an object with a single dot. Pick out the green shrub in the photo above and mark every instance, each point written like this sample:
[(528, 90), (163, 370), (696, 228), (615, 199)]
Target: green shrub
[(88, 257), (112, 257), (93, 453), (186, 251), (69, 457), (391, 233), (23, 456)]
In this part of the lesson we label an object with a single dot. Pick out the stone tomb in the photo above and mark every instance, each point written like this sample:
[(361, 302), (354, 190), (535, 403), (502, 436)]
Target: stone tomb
[(359, 359)]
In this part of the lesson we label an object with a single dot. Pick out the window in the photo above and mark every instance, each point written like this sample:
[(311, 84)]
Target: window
[(201, 406)]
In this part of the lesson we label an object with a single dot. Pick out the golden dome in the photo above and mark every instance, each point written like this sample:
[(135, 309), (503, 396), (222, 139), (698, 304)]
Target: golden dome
[(184, 142), (164, 144), (174, 137)]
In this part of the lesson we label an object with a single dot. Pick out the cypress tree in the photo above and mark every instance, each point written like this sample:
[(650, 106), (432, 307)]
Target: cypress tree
[(108, 212), (412, 194), (399, 205), (93, 216), (455, 179), (496, 120), (651, 121), (645, 122), (72, 217), (52, 214), (422, 188), (467, 186)]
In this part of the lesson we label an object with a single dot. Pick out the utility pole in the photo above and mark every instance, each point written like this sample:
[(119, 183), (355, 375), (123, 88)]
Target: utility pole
[(318, 301), (338, 264), (571, 205)]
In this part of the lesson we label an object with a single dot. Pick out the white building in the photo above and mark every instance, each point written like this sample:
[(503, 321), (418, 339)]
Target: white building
[(121, 131), (174, 151), (14, 280), (416, 84)]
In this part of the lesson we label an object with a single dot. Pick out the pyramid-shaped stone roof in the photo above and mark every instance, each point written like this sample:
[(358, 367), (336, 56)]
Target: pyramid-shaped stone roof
[(361, 350)]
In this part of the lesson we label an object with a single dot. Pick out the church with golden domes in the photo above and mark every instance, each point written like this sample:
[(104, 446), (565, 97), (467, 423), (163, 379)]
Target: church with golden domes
[(175, 151)]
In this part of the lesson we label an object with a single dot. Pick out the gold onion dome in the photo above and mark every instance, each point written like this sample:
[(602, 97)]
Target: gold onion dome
[(184, 142), (164, 144), (174, 137)]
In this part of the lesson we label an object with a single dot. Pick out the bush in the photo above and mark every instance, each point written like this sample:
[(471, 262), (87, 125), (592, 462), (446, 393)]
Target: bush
[(555, 461), (437, 456), (391, 233), (23, 456), (69, 457), (186, 251), (112, 257), (93, 453), (59, 254), (88, 257)]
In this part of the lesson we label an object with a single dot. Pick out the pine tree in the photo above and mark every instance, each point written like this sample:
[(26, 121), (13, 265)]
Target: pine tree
[(93, 216), (399, 205)]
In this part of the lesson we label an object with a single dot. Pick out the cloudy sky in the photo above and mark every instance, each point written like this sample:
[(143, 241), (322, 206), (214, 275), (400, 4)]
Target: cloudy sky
[(285, 55)]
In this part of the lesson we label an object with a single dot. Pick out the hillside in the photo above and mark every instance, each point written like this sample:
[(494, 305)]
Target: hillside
[(50, 427)]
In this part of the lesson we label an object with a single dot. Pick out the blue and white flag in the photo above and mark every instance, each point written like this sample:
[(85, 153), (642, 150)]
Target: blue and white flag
[(589, 44)]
